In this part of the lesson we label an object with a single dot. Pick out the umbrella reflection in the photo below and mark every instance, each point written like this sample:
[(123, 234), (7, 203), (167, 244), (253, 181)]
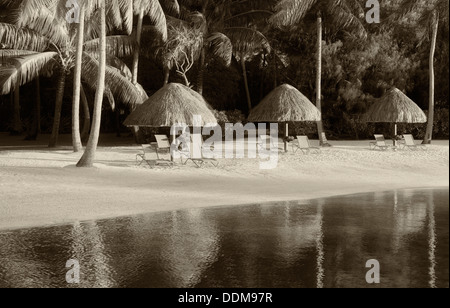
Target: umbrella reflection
[(192, 246)]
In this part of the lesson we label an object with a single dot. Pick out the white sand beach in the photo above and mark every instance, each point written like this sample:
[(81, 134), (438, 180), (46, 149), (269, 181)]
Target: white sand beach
[(42, 187)]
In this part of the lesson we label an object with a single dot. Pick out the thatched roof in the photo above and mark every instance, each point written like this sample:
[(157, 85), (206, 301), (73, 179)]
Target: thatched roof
[(285, 104), (173, 104), (395, 107)]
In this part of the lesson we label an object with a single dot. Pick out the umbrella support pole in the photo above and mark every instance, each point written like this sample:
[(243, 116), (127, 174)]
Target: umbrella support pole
[(172, 141), (395, 134), (286, 132)]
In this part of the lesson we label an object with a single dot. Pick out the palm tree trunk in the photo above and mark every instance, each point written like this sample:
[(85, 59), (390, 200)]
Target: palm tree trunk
[(36, 124), (319, 79), (166, 75), (58, 107), (275, 70), (76, 137), (136, 55), (117, 122), (17, 122), (247, 90), (87, 160), (38, 106), (429, 133), (138, 48), (87, 116), (201, 72)]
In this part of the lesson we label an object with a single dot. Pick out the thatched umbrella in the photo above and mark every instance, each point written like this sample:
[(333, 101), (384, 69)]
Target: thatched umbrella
[(171, 105), (174, 103), (395, 107), (285, 104)]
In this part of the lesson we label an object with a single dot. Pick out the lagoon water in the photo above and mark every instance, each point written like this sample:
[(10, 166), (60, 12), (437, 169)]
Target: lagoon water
[(319, 243)]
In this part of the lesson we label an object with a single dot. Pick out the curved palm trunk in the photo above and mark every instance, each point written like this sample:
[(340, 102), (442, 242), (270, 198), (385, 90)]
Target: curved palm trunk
[(76, 137), (17, 122), (138, 49), (87, 116), (201, 72), (58, 107), (429, 133), (247, 90), (320, 129), (87, 160)]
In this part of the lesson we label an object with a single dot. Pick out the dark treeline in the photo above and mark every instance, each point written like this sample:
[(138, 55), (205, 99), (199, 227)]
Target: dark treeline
[(357, 69)]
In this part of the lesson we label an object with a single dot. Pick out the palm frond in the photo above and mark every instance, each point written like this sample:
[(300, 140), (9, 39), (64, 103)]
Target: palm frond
[(13, 37), (110, 97), (23, 69), (50, 26), (120, 65), (25, 11), (220, 46), (126, 11), (345, 17), (291, 12), (5, 54), (117, 45), (122, 89), (247, 42), (171, 7), (154, 10), (249, 17)]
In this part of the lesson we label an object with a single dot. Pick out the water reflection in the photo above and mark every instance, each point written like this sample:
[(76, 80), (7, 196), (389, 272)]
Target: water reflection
[(322, 243), (87, 246), (432, 242)]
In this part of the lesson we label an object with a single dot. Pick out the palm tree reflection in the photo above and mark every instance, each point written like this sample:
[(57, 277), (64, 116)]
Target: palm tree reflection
[(432, 240), (89, 249)]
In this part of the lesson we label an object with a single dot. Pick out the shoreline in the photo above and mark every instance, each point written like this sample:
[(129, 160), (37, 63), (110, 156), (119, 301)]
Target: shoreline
[(41, 188), (20, 227)]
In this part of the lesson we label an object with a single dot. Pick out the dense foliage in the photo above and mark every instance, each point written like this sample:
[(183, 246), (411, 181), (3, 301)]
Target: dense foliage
[(356, 70)]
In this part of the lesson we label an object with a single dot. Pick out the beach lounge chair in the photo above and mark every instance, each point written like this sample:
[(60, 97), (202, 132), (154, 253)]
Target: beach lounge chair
[(265, 143), (380, 144), (411, 144), (303, 144), (143, 157), (199, 161), (163, 148)]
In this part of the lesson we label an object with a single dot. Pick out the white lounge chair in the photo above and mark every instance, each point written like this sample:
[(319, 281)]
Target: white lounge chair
[(199, 161), (303, 144), (163, 147), (143, 157), (380, 144), (266, 143), (411, 144)]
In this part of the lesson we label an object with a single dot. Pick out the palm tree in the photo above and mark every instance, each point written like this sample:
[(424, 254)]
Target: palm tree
[(180, 50), (76, 136), (53, 47), (231, 28), (431, 14), (87, 160), (25, 65), (344, 14), (154, 10), (105, 73)]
